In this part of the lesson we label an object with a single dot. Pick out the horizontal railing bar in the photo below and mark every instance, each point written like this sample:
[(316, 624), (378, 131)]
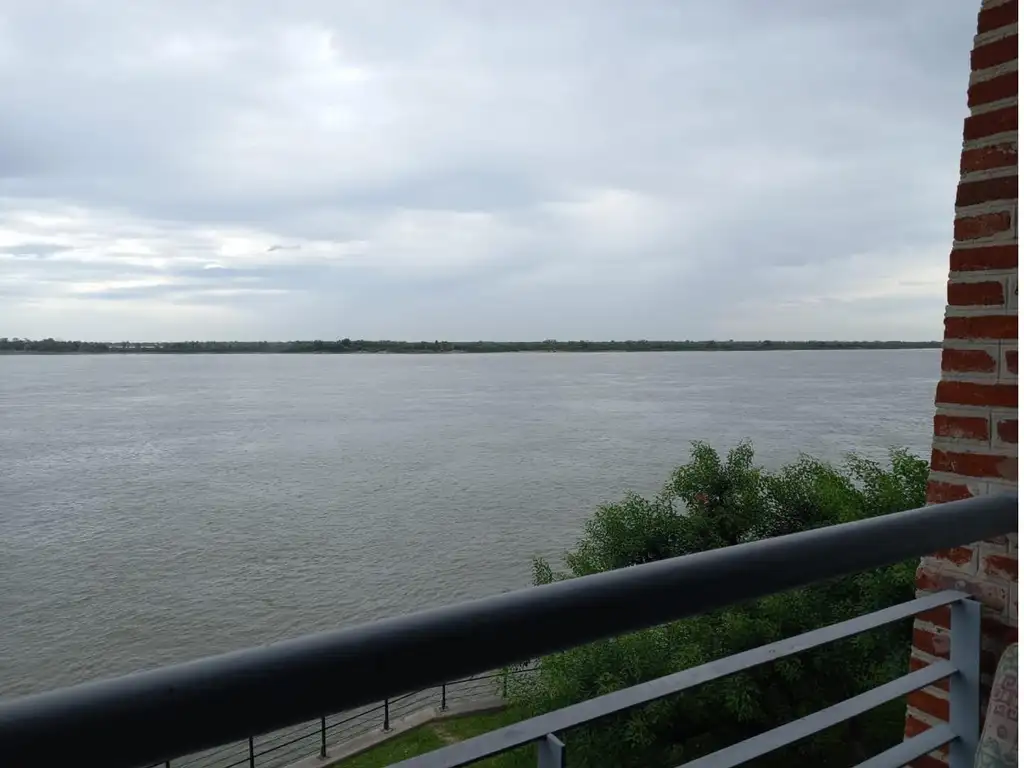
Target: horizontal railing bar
[(270, 749), (273, 740), (353, 719), (528, 731), (405, 696), (124, 722), (349, 718), (911, 749), (212, 754), (360, 720), (776, 738), (350, 728), (215, 762), (492, 676)]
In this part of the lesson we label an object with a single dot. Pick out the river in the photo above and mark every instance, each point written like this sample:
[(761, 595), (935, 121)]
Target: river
[(160, 508)]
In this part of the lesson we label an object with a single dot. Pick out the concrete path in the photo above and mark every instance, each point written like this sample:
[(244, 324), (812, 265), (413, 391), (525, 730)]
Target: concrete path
[(337, 753)]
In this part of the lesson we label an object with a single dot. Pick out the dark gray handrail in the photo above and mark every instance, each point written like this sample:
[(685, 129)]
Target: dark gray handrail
[(150, 717)]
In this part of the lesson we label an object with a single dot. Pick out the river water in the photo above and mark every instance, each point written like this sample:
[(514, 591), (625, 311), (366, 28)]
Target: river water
[(159, 508)]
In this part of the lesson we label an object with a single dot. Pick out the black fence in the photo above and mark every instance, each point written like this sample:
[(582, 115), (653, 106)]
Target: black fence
[(332, 733), (151, 717)]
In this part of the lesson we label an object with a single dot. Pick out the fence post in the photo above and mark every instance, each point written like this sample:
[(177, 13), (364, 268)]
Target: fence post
[(965, 683), (323, 737), (444, 696), (504, 684), (550, 752), (252, 754), (387, 715)]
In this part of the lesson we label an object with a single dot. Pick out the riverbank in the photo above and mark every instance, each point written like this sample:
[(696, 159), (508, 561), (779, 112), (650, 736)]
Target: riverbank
[(360, 346)]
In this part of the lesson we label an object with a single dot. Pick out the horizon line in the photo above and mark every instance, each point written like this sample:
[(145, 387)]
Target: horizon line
[(338, 340)]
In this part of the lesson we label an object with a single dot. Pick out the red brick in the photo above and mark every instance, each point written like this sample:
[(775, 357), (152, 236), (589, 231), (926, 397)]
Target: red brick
[(986, 190), (985, 91), (987, 158), (982, 327), (991, 19), (961, 427), (929, 704), (968, 361), (932, 580), (973, 393), (990, 257), (990, 123), (1006, 430), (974, 464), (940, 617), (1011, 361), (995, 53), (957, 556), (982, 225), (991, 628), (931, 643), (915, 727), (975, 294), (916, 663), (999, 567), (940, 492)]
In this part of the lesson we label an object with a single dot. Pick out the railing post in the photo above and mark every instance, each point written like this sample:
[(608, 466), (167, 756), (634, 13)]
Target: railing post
[(387, 715), (444, 696), (252, 754), (965, 684), (550, 752), (323, 737)]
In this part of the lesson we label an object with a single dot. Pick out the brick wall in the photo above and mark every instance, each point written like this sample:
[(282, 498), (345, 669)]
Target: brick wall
[(974, 449)]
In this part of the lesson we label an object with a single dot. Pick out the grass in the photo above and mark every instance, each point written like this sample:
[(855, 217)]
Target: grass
[(442, 732), (410, 744)]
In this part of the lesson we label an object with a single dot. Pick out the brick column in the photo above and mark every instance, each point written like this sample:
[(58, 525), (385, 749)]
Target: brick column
[(974, 449)]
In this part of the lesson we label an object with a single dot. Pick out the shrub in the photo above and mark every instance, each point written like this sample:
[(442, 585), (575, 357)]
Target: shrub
[(708, 503)]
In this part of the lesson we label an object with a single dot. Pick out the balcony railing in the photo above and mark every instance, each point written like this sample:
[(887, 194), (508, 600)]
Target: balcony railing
[(152, 717), (962, 669)]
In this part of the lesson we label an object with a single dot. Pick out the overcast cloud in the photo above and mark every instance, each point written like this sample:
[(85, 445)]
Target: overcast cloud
[(464, 170)]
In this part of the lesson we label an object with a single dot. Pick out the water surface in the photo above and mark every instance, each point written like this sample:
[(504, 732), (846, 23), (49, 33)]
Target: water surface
[(160, 508)]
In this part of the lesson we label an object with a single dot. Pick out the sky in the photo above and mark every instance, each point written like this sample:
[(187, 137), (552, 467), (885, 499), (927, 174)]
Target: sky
[(580, 169)]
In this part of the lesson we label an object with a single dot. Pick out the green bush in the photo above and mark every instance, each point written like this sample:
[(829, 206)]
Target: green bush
[(710, 503)]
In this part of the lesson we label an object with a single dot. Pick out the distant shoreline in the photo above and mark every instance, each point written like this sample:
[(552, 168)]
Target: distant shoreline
[(360, 346)]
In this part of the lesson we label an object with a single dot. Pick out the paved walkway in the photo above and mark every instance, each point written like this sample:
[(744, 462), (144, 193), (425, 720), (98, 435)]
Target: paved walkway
[(351, 747)]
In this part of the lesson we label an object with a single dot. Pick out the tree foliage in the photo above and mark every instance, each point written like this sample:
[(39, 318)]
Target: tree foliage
[(713, 502)]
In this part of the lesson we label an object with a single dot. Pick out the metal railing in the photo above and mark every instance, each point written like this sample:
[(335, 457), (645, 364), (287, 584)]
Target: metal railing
[(151, 717), (331, 732), (963, 670)]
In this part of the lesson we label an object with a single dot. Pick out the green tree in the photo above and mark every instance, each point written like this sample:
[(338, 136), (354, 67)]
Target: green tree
[(710, 503)]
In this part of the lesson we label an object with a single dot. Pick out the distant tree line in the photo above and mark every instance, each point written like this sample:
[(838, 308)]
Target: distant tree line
[(349, 346)]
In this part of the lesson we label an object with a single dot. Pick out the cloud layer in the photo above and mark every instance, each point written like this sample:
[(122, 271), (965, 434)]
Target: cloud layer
[(464, 170)]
